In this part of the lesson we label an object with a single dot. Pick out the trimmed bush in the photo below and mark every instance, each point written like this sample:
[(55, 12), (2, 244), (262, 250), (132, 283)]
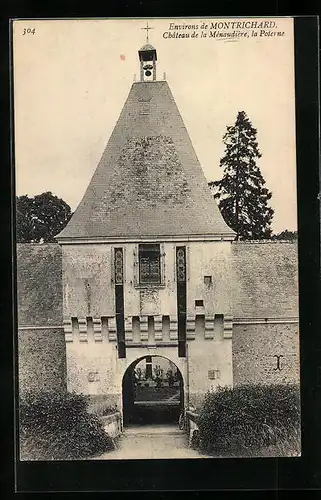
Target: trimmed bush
[(58, 427), (248, 419)]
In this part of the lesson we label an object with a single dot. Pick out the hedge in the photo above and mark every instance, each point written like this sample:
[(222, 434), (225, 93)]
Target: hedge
[(59, 427), (249, 419)]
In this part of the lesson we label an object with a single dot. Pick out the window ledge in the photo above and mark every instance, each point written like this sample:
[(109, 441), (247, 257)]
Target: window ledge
[(148, 286)]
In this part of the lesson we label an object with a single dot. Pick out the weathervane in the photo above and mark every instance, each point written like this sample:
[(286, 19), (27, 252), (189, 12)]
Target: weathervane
[(147, 28)]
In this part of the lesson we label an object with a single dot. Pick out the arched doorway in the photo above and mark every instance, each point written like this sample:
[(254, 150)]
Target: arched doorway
[(153, 392)]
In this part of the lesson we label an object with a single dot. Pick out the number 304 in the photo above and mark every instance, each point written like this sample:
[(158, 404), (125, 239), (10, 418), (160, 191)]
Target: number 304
[(29, 31)]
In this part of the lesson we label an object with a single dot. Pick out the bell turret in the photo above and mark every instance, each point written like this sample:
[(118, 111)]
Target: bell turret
[(147, 57)]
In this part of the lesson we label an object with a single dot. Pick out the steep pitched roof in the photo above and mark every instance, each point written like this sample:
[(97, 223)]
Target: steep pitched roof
[(149, 181)]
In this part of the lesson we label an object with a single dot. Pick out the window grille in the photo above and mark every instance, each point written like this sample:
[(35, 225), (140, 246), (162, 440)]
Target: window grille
[(149, 264)]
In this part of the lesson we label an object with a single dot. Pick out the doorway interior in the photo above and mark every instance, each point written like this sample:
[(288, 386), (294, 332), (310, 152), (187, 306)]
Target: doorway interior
[(153, 392)]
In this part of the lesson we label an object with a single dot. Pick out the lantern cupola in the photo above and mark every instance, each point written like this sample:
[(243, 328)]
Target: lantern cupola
[(147, 57)]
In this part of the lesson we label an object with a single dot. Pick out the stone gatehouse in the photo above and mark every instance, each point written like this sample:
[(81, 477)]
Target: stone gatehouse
[(147, 266)]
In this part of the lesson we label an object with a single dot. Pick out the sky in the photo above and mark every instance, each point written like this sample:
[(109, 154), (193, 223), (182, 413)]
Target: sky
[(72, 77)]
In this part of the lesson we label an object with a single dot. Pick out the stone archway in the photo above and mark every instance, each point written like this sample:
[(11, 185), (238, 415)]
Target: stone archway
[(157, 396)]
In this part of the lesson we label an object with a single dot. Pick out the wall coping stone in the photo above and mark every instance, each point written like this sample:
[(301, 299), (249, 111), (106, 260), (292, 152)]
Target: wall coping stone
[(112, 417)]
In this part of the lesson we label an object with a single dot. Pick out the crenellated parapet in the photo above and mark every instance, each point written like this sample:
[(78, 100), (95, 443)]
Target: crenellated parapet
[(97, 329), (112, 328), (67, 326), (128, 329), (209, 327), (173, 332), (150, 330), (158, 327), (83, 334), (227, 327), (190, 328), (143, 320)]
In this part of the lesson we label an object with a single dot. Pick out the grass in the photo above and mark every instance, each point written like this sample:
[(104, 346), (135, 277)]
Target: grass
[(155, 394)]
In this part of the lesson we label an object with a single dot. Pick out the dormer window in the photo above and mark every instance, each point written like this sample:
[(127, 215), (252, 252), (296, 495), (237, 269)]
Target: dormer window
[(149, 264)]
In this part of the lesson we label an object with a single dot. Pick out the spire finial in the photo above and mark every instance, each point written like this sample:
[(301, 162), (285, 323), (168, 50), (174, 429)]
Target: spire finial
[(147, 28)]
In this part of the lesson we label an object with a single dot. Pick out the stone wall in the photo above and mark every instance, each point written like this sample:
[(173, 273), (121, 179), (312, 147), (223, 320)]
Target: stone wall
[(41, 360), (95, 369), (266, 313), (265, 279), (255, 348), (92, 361), (39, 284), (87, 281), (89, 287), (263, 285), (40, 340), (92, 369), (112, 424), (209, 365)]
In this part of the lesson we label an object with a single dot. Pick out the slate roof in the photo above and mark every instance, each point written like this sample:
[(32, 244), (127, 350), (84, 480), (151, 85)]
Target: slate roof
[(149, 181)]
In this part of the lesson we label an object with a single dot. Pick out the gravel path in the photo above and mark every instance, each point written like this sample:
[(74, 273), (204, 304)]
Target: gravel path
[(152, 441)]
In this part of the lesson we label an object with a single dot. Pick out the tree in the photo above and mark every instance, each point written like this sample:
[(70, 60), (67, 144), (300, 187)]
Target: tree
[(139, 372), (158, 374), (286, 235), (243, 197), (40, 218), (170, 377)]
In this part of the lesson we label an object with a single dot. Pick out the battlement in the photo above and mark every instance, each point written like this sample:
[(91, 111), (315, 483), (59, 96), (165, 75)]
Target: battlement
[(147, 330)]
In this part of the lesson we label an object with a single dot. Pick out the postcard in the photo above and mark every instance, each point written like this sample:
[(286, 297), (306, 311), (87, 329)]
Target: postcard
[(156, 230)]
